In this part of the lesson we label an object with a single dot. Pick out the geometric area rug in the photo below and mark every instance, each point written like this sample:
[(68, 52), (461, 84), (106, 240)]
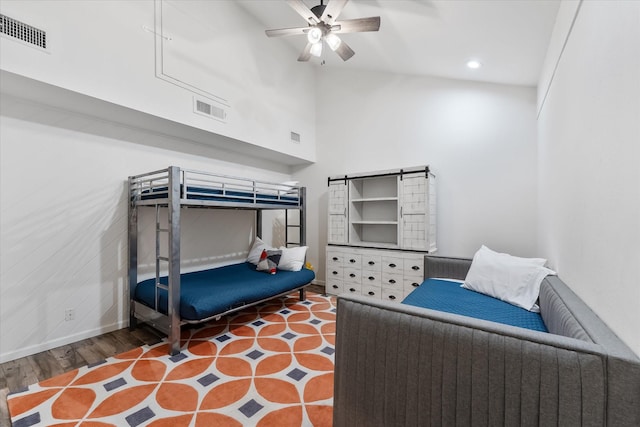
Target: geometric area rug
[(268, 365)]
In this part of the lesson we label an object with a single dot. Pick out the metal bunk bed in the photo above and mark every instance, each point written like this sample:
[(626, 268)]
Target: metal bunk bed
[(174, 188)]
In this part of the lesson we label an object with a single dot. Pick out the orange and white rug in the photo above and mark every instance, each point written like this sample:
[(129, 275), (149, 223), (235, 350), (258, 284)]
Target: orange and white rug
[(270, 365)]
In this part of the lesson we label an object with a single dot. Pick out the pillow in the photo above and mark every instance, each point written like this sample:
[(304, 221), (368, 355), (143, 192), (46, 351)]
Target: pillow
[(256, 251), (292, 258), (269, 261), (509, 278)]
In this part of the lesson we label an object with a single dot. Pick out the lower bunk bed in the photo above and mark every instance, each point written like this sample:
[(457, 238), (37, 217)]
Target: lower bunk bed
[(210, 294), (436, 361)]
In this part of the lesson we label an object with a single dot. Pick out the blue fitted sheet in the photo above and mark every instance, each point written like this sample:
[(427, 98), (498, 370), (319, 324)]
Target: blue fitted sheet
[(444, 295), (209, 292), (201, 193)]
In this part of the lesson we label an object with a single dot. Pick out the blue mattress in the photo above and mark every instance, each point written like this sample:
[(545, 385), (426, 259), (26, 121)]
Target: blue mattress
[(226, 196), (443, 295), (206, 293)]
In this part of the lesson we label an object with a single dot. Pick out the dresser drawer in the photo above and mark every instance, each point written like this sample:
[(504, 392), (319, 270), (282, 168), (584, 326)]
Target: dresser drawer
[(371, 278), (335, 272), (352, 260), (410, 283), (414, 266), (394, 295), (335, 287), (372, 262), (352, 275), (352, 288), (392, 264), (392, 281), (335, 259), (372, 291)]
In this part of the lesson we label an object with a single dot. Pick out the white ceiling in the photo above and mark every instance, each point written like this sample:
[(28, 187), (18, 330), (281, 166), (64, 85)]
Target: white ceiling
[(433, 37)]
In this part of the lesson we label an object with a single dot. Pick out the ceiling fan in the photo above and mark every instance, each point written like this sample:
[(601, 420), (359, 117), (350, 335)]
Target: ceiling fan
[(323, 25)]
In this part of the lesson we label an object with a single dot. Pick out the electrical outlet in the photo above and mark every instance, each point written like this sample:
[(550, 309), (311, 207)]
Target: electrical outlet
[(69, 314)]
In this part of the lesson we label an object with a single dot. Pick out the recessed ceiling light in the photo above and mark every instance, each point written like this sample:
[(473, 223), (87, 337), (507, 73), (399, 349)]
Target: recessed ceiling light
[(473, 64)]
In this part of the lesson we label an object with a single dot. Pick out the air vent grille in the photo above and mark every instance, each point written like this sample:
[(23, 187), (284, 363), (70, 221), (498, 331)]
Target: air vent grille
[(21, 31), (208, 109), (295, 137)]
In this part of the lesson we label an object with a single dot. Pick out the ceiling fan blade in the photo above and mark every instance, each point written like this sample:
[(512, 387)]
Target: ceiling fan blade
[(333, 9), (303, 11), (344, 51), (306, 53), (356, 25), (286, 32)]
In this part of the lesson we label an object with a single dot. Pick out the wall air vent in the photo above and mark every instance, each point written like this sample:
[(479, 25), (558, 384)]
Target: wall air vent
[(295, 137), (23, 32), (206, 108)]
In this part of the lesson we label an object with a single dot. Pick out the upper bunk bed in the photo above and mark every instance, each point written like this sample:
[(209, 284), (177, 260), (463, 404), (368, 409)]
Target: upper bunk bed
[(204, 189), (162, 303)]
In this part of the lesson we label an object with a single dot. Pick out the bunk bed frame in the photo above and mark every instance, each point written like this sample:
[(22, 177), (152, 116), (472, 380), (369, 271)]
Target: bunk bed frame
[(174, 188)]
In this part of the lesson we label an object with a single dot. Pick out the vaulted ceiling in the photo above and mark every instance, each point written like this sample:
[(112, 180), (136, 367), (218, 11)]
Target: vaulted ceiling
[(433, 37)]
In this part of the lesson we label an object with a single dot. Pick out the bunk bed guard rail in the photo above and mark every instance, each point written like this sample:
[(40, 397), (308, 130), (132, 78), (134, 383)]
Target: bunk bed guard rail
[(203, 188)]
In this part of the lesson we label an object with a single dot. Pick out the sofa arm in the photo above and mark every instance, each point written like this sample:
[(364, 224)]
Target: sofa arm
[(446, 267)]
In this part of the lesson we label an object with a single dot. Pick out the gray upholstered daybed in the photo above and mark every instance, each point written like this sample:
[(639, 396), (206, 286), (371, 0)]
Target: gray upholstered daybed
[(399, 365)]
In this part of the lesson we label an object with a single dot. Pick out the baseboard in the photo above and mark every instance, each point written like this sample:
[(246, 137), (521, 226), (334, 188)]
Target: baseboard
[(28, 351)]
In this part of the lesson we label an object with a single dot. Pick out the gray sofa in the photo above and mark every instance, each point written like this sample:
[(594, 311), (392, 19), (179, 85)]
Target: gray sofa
[(398, 365)]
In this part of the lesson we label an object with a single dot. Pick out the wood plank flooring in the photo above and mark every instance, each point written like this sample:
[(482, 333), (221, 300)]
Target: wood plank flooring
[(16, 375)]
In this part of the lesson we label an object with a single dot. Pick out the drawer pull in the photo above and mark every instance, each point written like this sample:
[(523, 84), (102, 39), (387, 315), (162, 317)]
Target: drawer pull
[(335, 286), (415, 267), (372, 278), (352, 261), (415, 285), (334, 272), (392, 297), (392, 281), (372, 263), (372, 293), (335, 258), (352, 275), (392, 265), (352, 290)]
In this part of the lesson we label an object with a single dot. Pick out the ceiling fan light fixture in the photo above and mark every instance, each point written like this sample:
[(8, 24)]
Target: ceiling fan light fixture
[(333, 41), (314, 35), (474, 64), (316, 49)]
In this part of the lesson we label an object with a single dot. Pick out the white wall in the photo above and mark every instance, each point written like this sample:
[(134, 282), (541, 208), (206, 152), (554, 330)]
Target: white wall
[(63, 221), (100, 48), (589, 149), (478, 138), (78, 119)]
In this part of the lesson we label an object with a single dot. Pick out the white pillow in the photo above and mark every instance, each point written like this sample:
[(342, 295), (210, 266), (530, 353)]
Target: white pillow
[(256, 250), (509, 278), (292, 259)]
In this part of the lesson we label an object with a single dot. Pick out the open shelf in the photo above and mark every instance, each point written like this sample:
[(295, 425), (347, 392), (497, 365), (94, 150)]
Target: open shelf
[(375, 222), (375, 199)]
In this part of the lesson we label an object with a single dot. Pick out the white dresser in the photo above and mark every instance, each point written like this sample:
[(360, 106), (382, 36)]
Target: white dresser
[(389, 275)]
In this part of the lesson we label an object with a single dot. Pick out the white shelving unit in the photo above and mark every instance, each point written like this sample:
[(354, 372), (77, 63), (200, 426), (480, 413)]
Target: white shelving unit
[(392, 212)]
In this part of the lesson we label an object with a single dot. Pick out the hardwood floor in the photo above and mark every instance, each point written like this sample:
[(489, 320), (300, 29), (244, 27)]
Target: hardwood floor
[(16, 375)]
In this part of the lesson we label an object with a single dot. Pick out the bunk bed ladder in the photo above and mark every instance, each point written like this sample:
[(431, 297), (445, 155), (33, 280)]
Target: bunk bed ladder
[(159, 258), (302, 241), (172, 259), (300, 226)]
